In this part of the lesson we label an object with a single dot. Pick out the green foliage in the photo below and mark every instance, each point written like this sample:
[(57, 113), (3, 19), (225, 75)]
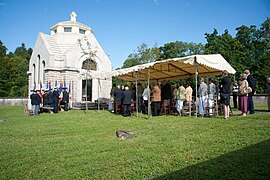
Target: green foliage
[(170, 50), (83, 145), (229, 47), (118, 81), (141, 56), (180, 49), (250, 49), (13, 68)]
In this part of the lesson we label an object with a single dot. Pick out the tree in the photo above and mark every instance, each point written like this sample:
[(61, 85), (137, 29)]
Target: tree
[(255, 44), (248, 50), (13, 69), (89, 64), (173, 49), (4, 71), (142, 55), (3, 50), (180, 49), (229, 47), (23, 52)]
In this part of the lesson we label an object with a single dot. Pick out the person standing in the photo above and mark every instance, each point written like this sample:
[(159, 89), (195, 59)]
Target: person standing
[(146, 95), (65, 99), (166, 91), (35, 101), (252, 84), (225, 86), (140, 98), (50, 98), (46, 98), (127, 97), (203, 97), (118, 95), (111, 102), (189, 92), (235, 93), (55, 100), (174, 90), (268, 89), (243, 106), (31, 99), (239, 100), (39, 93), (211, 96), (156, 99), (180, 97)]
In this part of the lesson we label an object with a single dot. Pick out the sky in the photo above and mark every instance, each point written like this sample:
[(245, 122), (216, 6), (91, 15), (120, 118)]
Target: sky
[(121, 26)]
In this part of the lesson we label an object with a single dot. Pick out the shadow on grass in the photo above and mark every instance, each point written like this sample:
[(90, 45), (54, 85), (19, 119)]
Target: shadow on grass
[(252, 162)]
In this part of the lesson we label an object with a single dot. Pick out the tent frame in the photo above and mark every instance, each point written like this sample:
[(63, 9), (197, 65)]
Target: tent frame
[(208, 70)]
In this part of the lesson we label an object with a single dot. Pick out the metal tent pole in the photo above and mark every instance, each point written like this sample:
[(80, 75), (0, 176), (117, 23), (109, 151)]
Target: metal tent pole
[(196, 82), (148, 94)]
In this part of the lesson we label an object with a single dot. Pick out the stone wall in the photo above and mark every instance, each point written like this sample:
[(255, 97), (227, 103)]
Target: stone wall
[(100, 89), (258, 99), (13, 101), (59, 76)]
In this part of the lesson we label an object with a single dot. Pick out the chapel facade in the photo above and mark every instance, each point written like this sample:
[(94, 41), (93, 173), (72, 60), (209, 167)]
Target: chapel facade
[(72, 57)]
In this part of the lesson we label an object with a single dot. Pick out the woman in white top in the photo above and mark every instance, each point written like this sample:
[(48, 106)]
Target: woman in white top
[(146, 96), (211, 96)]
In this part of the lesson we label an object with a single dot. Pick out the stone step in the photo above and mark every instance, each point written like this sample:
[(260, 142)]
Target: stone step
[(90, 106)]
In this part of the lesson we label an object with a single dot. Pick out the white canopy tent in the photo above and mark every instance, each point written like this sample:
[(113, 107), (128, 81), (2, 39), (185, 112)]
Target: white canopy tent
[(176, 68)]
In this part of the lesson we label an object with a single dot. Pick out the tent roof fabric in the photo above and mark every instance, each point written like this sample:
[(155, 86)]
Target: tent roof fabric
[(176, 68)]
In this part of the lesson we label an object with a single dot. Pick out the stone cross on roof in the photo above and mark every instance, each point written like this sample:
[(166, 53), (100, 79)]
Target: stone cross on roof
[(73, 16)]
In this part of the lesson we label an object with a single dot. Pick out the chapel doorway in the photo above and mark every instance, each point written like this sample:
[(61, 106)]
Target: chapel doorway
[(87, 88)]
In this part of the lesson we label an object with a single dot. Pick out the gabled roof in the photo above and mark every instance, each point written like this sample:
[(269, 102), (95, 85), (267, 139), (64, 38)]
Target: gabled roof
[(58, 50)]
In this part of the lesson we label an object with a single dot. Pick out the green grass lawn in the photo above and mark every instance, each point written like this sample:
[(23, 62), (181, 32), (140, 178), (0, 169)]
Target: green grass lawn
[(261, 107), (83, 145)]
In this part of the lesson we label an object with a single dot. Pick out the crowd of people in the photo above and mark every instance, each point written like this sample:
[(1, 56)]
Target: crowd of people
[(179, 94), (165, 94), (49, 100), (172, 94)]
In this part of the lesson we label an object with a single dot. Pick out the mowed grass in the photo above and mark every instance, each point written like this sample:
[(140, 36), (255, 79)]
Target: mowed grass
[(83, 145)]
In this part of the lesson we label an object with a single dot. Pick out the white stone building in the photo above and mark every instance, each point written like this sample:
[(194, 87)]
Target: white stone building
[(70, 55)]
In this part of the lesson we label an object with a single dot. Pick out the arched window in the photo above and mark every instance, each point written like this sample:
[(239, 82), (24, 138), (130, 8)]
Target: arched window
[(43, 71), (89, 64), (34, 73), (38, 69)]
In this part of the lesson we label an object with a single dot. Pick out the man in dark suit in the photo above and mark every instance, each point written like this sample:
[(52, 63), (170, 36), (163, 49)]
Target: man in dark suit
[(55, 100), (50, 98), (46, 98), (65, 99), (166, 93), (127, 96), (252, 84), (35, 101), (118, 95)]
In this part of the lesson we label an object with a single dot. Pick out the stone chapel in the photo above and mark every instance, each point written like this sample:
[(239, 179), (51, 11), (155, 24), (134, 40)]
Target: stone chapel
[(72, 57)]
